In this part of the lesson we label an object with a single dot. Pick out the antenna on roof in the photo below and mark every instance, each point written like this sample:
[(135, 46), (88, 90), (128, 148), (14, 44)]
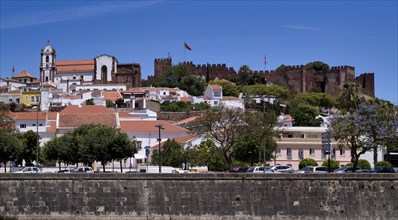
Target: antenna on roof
[(168, 55), (13, 70)]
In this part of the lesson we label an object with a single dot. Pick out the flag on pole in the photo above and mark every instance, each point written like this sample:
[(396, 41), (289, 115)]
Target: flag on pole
[(187, 47)]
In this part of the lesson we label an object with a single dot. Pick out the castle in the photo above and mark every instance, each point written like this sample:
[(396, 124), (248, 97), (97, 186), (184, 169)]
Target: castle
[(297, 79)]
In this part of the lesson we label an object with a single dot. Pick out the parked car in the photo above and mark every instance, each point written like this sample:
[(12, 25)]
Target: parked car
[(67, 170), (29, 170), (241, 169), (84, 170), (348, 169), (381, 169), (282, 169), (260, 170), (314, 169)]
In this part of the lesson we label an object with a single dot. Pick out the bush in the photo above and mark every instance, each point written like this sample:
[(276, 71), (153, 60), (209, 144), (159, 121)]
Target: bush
[(307, 162), (334, 164), (363, 164), (383, 163)]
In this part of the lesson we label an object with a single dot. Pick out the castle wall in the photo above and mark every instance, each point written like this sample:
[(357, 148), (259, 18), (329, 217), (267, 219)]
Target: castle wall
[(161, 66), (366, 80), (130, 74), (199, 196)]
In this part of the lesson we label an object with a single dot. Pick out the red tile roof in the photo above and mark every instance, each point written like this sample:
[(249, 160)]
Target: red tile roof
[(75, 65), (149, 126), (215, 86), (185, 99), (23, 74), (111, 95), (187, 120), (127, 115), (52, 115), (76, 120), (229, 98), (52, 126), (74, 116), (28, 115), (86, 109)]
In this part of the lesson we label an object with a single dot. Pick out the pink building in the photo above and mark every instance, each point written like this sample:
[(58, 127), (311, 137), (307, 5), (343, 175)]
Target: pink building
[(297, 143)]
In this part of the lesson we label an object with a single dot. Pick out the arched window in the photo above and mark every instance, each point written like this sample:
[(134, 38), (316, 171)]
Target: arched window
[(47, 59), (104, 71)]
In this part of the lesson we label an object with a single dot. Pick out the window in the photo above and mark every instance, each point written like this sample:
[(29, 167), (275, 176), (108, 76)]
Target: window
[(342, 152), (40, 124), (26, 98), (22, 125), (34, 125), (47, 59), (9, 100), (46, 78), (301, 153), (278, 151), (32, 98), (217, 93), (215, 102), (312, 152), (37, 99), (17, 101), (289, 153)]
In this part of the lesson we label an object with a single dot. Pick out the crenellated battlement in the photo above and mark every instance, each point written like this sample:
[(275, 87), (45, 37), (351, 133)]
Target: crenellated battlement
[(163, 59)]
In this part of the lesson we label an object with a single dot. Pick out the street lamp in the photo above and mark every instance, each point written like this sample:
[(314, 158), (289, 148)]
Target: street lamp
[(160, 126)]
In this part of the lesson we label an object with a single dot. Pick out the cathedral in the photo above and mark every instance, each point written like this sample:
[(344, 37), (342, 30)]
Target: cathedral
[(103, 70)]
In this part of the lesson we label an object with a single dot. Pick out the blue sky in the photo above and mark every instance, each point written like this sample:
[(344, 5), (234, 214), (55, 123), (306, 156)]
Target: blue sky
[(362, 34)]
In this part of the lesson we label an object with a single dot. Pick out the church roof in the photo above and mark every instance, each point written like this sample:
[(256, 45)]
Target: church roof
[(23, 74), (48, 48), (75, 66)]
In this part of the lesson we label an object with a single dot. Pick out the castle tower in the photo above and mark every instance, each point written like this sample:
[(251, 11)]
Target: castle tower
[(161, 66), (47, 64)]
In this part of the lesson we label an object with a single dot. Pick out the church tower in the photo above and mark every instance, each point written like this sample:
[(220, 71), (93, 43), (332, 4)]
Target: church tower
[(47, 64)]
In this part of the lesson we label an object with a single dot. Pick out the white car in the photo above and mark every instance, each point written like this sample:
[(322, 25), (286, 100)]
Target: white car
[(84, 170), (260, 170), (29, 170)]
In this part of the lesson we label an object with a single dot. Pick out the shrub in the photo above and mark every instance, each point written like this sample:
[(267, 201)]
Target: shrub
[(383, 163), (363, 164), (334, 164), (307, 162)]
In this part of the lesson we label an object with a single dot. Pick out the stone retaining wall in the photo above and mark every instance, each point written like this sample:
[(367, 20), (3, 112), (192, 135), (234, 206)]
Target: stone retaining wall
[(199, 196)]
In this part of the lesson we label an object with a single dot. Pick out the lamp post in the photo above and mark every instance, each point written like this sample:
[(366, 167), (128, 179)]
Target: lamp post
[(37, 136), (160, 126)]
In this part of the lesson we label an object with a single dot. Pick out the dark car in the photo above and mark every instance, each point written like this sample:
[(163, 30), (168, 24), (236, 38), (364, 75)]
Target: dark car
[(239, 169), (381, 169)]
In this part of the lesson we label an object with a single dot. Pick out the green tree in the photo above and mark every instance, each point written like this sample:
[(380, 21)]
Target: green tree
[(10, 147), (305, 115), (317, 99), (350, 98), (271, 90), (90, 102), (28, 151), (317, 66), (229, 127), (192, 84), (110, 104), (243, 74), (334, 164), (121, 147), (172, 153), (120, 103), (307, 162)]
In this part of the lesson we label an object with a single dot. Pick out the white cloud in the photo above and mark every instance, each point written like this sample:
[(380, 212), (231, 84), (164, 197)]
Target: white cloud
[(45, 17)]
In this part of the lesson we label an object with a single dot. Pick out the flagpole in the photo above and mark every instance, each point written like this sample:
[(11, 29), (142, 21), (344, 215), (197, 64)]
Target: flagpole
[(184, 53)]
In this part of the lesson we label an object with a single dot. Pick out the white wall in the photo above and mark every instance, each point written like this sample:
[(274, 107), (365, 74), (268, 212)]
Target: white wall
[(104, 60)]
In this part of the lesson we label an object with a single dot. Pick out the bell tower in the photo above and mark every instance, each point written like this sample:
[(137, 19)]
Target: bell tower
[(47, 64)]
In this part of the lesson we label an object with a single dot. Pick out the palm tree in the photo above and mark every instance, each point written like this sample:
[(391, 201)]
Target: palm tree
[(350, 98)]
